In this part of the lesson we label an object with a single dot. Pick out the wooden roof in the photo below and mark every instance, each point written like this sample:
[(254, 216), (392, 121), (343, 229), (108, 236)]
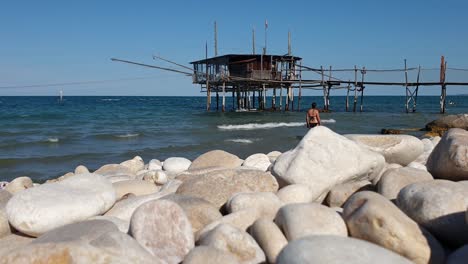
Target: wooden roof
[(242, 57)]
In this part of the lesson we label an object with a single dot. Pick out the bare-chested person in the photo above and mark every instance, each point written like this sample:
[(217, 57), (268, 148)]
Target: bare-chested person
[(313, 117)]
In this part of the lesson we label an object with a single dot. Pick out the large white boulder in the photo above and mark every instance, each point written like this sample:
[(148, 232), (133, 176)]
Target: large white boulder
[(449, 159), (37, 210), (401, 149), (176, 164), (394, 180), (324, 159), (216, 158), (259, 161)]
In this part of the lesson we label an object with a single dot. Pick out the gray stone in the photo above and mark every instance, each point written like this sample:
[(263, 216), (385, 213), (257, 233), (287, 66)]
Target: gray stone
[(324, 159), (176, 164), (449, 159), (372, 217), (162, 228), (235, 241), (337, 250), (40, 209), (218, 186), (459, 256), (440, 207), (269, 237), (199, 211), (340, 193), (400, 149), (19, 184), (216, 158), (300, 220), (205, 254), (449, 121), (394, 180)]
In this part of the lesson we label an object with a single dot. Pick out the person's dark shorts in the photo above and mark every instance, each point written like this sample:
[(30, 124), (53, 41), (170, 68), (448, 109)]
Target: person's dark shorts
[(311, 125)]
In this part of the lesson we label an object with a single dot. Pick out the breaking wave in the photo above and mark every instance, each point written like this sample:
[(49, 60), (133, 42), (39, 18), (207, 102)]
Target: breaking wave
[(240, 140)]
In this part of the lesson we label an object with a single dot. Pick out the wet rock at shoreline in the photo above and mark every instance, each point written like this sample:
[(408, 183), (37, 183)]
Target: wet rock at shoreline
[(440, 207), (400, 149), (300, 220), (216, 158), (372, 217), (218, 186), (37, 210), (449, 159), (449, 121), (337, 250), (323, 159)]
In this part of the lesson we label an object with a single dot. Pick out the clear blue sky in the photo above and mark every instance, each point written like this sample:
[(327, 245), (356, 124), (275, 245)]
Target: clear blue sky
[(63, 41)]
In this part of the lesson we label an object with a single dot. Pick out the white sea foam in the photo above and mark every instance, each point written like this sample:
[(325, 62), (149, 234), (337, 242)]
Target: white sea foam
[(240, 140), (128, 135), (253, 126), (110, 99), (53, 140)]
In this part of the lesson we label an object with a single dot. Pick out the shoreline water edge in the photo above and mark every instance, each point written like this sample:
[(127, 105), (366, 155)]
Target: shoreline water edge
[(332, 198)]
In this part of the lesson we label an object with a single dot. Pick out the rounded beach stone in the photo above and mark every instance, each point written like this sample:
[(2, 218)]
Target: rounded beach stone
[(417, 165), (401, 149), (394, 180), (269, 237), (295, 193), (109, 247), (266, 203), (340, 193), (323, 159), (176, 164), (205, 254), (136, 164), (5, 196), (162, 228), (12, 242), (372, 217), (300, 220), (449, 159), (113, 169), (135, 187), (81, 169), (273, 155), (216, 158), (4, 225), (241, 219), (235, 241), (336, 250), (122, 225), (459, 256), (37, 210), (158, 177), (440, 207), (259, 161), (19, 184), (154, 164), (218, 186), (199, 211)]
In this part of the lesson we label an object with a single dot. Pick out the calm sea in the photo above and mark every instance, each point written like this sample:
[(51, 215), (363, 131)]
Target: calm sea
[(41, 138)]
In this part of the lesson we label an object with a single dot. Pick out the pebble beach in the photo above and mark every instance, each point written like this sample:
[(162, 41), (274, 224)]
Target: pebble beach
[(331, 198)]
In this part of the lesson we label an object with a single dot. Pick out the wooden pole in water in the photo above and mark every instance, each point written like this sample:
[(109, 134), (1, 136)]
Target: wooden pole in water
[(443, 92), (253, 41), (347, 97), (355, 89), (217, 99), (363, 72), (281, 87), (329, 88), (324, 88), (417, 88), (264, 98), (406, 88), (300, 87), (208, 92), (224, 97), (233, 98)]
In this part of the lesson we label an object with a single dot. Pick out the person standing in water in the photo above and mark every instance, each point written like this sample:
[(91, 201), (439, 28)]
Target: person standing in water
[(313, 116)]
